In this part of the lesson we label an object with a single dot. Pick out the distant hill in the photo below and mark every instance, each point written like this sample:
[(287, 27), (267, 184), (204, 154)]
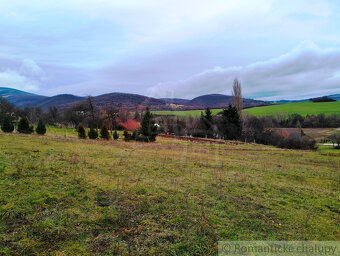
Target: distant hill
[(19, 98), (58, 100), (334, 96), (23, 99), (128, 101), (221, 101), (322, 99)]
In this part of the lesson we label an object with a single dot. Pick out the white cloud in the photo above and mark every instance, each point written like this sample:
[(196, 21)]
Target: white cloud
[(306, 71), (12, 79), (25, 75)]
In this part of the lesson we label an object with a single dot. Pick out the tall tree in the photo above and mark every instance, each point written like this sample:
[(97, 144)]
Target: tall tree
[(111, 112), (92, 110), (207, 123), (52, 115), (237, 95), (148, 129), (6, 108)]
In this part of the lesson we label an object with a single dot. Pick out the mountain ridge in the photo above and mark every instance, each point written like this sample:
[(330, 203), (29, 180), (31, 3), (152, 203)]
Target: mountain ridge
[(130, 101)]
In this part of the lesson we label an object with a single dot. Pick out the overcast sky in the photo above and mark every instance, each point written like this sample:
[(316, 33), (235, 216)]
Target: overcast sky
[(171, 48)]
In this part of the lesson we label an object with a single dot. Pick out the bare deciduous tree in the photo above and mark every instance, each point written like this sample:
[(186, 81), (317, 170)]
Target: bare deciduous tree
[(237, 95)]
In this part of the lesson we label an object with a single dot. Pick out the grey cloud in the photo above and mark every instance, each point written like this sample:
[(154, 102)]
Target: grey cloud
[(304, 71)]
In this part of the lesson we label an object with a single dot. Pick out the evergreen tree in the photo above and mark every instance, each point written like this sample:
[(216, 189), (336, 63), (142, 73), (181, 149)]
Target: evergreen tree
[(81, 131), (208, 115), (104, 133), (24, 126), (148, 129), (208, 123), (7, 125), (127, 135), (93, 134), (134, 135), (230, 127), (41, 128), (115, 135)]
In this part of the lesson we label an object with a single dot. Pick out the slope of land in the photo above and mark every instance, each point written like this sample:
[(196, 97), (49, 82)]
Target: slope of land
[(64, 196), (58, 100), (19, 98), (302, 108), (335, 96)]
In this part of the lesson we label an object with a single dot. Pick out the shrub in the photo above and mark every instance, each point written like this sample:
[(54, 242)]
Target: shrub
[(81, 131), (335, 139), (93, 134), (104, 133), (24, 126), (7, 125), (41, 128), (115, 135), (297, 142), (134, 135), (127, 135)]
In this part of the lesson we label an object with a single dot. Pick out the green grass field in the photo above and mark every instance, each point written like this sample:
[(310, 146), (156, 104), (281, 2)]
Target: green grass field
[(64, 196), (184, 112), (302, 108)]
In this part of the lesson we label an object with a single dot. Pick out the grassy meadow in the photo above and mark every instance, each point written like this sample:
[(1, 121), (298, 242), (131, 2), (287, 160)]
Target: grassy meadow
[(64, 196), (302, 108)]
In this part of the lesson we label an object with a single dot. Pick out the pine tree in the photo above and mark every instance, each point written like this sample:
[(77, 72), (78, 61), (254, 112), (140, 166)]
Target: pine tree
[(208, 115), (207, 120), (6, 125), (230, 126), (24, 126), (148, 129), (115, 135), (92, 134), (104, 133), (41, 128), (81, 131)]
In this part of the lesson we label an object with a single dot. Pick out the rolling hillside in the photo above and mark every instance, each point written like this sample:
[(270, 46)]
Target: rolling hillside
[(23, 99), (302, 108), (19, 98), (57, 100), (64, 196)]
